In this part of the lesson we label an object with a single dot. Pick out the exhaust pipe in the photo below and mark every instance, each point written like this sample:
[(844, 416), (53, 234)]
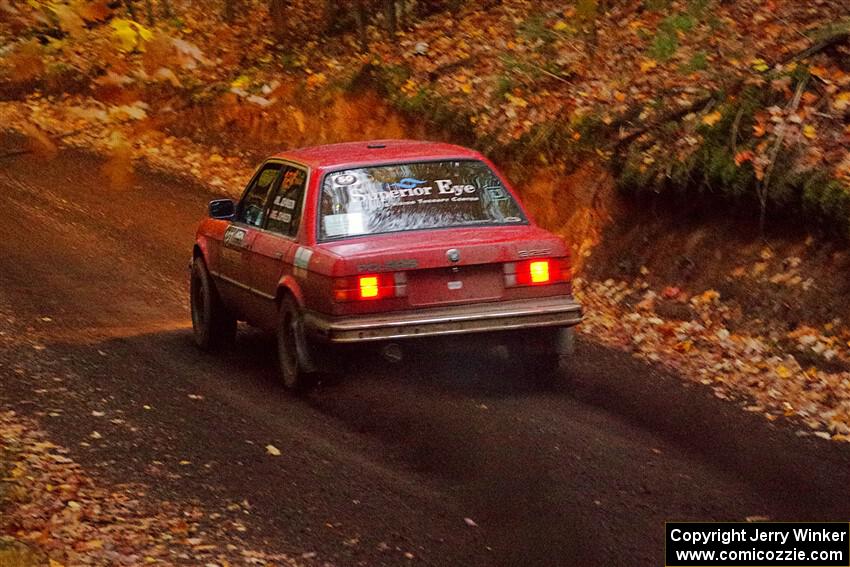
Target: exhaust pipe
[(392, 353)]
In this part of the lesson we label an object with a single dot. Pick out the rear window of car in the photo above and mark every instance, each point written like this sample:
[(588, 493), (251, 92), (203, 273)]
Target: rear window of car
[(413, 196)]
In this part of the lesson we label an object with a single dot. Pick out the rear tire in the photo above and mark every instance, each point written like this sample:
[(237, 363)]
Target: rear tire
[(213, 326), (296, 370)]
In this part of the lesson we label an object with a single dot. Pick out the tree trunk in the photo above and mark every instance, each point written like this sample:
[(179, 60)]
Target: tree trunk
[(277, 11), (229, 10), (389, 13), (401, 20), (130, 9), (166, 9), (587, 11), (331, 15), (763, 189), (360, 18), (149, 12)]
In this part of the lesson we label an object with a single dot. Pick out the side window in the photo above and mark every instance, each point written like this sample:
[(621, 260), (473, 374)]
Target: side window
[(285, 210), (253, 203)]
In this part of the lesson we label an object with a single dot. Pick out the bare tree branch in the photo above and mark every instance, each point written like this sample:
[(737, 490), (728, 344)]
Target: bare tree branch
[(763, 188)]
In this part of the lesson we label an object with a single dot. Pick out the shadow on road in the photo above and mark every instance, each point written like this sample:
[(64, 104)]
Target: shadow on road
[(535, 470)]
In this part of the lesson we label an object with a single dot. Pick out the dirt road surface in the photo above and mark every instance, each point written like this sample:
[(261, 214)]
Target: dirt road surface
[(382, 466)]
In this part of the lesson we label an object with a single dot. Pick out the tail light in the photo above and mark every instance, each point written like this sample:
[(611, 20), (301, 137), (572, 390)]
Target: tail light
[(540, 271), (370, 286)]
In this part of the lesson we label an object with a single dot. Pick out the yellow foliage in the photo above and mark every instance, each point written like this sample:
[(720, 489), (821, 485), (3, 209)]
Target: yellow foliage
[(240, 82), (516, 100), (586, 9), (648, 65), (760, 65), (130, 35), (712, 118), (409, 86)]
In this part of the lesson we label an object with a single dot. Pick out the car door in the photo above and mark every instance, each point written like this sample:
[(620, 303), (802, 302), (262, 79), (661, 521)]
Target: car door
[(239, 236), (274, 249)]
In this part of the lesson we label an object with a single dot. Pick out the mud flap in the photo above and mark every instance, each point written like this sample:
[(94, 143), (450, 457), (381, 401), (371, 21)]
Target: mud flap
[(304, 348), (565, 341)]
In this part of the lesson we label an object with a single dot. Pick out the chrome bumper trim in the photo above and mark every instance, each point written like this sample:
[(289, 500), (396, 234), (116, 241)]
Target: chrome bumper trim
[(559, 311)]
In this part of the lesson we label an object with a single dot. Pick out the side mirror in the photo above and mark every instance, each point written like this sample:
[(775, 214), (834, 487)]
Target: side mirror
[(222, 209)]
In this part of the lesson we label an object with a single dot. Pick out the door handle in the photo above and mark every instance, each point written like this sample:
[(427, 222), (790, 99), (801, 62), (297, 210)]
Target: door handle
[(278, 255)]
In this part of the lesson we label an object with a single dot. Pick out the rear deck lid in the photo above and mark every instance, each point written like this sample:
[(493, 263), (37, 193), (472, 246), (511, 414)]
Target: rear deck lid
[(446, 266)]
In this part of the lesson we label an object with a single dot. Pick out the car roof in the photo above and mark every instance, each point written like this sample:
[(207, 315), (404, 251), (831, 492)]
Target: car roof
[(371, 152)]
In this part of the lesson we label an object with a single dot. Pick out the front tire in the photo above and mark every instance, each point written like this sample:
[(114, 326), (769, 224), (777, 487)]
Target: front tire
[(296, 370), (213, 326)]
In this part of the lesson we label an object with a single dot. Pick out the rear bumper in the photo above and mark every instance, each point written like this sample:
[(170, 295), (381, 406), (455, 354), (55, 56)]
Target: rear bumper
[(558, 311)]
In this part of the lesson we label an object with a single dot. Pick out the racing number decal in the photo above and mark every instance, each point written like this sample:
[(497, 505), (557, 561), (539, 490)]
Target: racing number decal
[(302, 257), (234, 237), (301, 262)]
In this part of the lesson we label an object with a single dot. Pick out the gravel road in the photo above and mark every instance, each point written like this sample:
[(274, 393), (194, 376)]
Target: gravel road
[(449, 458)]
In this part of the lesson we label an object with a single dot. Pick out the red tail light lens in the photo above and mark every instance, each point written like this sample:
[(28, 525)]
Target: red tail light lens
[(368, 287), (537, 272)]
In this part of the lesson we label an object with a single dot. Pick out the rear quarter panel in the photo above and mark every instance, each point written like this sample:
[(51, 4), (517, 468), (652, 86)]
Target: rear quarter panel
[(208, 238)]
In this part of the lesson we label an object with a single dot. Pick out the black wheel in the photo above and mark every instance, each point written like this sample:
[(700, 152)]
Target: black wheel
[(293, 352), (545, 354), (213, 326)]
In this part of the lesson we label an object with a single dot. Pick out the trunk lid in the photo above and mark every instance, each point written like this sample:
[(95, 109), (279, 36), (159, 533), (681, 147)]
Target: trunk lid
[(446, 266)]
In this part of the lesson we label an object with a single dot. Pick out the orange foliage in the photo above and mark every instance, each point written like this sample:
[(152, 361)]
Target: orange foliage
[(293, 122), (576, 206), (119, 166), (95, 11), (37, 141), (159, 52), (26, 63)]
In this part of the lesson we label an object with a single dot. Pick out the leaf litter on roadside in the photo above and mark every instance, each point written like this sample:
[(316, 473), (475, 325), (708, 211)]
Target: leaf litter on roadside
[(757, 372), (49, 504)]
